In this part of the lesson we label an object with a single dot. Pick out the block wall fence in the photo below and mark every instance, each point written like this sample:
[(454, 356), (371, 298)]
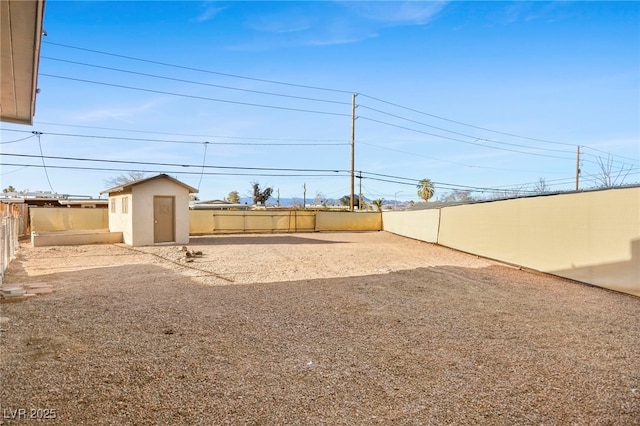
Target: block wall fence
[(592, 236)]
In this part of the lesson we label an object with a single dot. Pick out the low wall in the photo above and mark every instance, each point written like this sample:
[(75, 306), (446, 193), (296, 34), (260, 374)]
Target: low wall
[(420, 224), (348, 221), (73, 238), (66, 219), (202, 222)]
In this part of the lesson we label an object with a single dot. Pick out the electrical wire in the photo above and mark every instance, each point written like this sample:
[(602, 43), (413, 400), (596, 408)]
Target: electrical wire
[(109, 169), (174, 164), (204, 161), (208, 137), (476, 138), (486, 129), (462, 141), (18, 140), (46, 173), (413, 154), (303, 86), (465, 124), (178, 141), (197, 82), (162, 92)]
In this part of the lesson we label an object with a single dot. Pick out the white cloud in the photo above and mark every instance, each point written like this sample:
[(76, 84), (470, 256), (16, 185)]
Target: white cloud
[(122, 113), (208, 14), (397, 13)]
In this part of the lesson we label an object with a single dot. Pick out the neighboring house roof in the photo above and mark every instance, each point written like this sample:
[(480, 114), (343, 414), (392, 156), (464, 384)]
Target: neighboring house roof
[(133, 183), (20, 39)]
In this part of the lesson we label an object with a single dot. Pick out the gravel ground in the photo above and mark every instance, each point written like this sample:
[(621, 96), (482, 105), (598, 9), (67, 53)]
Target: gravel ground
[(306, 329)]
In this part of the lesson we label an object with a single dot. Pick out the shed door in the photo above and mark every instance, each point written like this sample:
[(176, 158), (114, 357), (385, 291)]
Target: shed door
[(163, 219)]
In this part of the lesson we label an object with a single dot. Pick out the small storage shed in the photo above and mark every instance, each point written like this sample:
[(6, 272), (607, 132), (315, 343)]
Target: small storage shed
[(151, 211)]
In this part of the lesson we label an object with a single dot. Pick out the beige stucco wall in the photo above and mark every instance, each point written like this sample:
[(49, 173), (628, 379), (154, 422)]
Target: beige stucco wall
[(229, 221), (73, 238), (420, 225), (348, 221), (593, 237), (119, 221), (66, 219)]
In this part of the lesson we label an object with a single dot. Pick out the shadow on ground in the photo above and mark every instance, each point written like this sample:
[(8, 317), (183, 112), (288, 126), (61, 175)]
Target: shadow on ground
[(254, 239)]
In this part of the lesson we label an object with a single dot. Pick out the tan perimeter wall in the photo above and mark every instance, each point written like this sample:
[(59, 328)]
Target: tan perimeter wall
[(228, 221), (348, 221), (593, 237), (66, 219), (420, 225)]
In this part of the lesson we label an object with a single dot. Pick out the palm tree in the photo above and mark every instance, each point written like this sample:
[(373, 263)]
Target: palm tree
[(425, 189), (378, 203)]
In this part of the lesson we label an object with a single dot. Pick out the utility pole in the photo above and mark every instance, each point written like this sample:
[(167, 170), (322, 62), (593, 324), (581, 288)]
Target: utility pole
[(278, 197), (353, 149), (360, 192), (304, 197), (577, 167)]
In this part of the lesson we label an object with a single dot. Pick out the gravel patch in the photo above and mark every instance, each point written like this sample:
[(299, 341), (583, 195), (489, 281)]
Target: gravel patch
[(309, 329)]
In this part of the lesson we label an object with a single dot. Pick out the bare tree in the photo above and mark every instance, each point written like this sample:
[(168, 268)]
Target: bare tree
[(319, 199), (541, 187), (456, 196), (122, 179), (608, 177), (507, 193)]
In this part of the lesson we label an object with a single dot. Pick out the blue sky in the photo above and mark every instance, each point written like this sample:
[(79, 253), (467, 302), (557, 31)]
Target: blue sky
[(480, 95)]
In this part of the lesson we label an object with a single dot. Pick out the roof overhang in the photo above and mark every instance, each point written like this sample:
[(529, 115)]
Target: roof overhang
[(128, 185), (20, 41)]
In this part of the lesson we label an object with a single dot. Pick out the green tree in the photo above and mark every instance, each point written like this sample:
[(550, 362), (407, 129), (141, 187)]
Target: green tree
[(233, 197), (378, 203), (346, 200), (260, 196), (9, 189), (425, 189)]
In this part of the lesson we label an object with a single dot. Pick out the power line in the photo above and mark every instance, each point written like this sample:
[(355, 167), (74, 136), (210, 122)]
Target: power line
[(329, 172), (198, 69), (308, 87), (197, 82), (162, 171), (488, 130), (37, 134), (177, 141), (190, 135), (446, 161), (17, 140), (462, 141), (466, 124), (608, 153), (204, 160), (173, 164), (477, 138), (121, 86)]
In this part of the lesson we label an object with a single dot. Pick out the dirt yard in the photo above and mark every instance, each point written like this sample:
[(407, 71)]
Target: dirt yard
[(309, 329)]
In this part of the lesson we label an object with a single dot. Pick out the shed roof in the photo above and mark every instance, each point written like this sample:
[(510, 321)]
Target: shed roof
[(133, 183)]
